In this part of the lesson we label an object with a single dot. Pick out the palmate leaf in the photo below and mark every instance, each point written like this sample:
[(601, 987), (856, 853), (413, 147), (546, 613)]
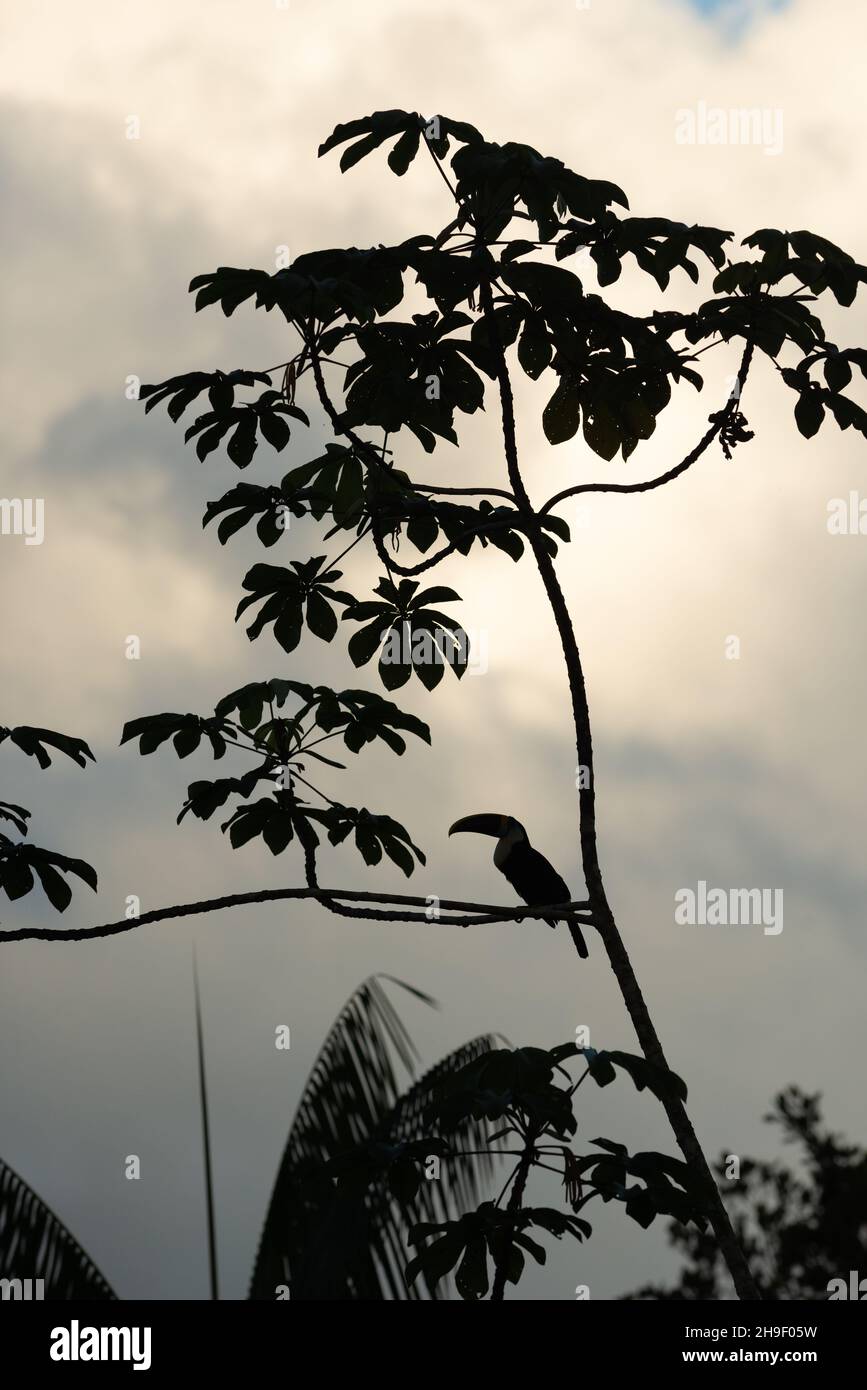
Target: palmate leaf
[(663, 1083), (495, 177), (374, 131), (185, 730), (34, 1244), (364, 717), (409, 635), (339, 1245), (243, 502), (465, 1245), (359, 282), (36, 742), (391, 384), (18, 815), (22, 864), (501, 1082), (816, 263), (267, 414), (373, 834), (290, 596), (370, 132), (180, 391), (658, 245)]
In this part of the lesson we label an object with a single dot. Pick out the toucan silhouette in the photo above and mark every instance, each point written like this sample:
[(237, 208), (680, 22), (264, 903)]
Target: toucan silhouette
[(528, 871)]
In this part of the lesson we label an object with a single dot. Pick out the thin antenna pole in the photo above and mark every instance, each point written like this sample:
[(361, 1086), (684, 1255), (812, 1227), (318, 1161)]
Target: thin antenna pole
[(206, 1139)]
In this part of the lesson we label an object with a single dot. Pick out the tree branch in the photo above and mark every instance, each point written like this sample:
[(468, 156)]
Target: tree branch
[(489, 912), (601, 910), (466, 491), (692, 457)]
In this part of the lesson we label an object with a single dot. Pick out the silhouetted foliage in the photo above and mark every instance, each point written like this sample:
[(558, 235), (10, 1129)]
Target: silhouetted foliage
[(22, 864), (351, 1177), (801, 1227), (614, 373), (527, 1095), (283, 744)]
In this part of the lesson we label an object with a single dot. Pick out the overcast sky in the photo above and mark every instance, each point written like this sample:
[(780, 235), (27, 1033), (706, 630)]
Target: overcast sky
[(742, 773)]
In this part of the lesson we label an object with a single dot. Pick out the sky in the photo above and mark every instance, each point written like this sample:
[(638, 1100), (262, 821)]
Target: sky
[(744, 772)]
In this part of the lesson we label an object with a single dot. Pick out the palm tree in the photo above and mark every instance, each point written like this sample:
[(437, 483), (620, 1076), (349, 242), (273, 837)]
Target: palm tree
[(327, 1242)]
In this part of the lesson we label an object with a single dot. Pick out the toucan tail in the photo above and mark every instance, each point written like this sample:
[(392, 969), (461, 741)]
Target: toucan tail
[(578, 938)]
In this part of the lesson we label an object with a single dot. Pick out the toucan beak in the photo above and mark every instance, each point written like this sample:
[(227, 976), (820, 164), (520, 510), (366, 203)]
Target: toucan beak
[(485, 824)]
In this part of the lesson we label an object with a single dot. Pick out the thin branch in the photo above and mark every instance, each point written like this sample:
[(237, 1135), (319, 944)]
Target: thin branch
[(490, 912), (305, 747), (442, 173), (465, 491), (360, 537), (691, 458), (479, 529)]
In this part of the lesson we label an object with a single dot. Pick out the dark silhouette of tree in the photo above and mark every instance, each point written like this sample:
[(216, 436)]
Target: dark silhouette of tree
[(801, 1227), (349, 1181), (529, 1095), (492, 296)]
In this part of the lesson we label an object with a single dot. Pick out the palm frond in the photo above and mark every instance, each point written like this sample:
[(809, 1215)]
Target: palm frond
[(328, 1243), (460, 1186), (34, 1244)]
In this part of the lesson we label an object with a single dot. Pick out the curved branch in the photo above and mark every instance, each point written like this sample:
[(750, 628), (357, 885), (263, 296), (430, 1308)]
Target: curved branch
[(490, 912), (410, 570), (692, 457)]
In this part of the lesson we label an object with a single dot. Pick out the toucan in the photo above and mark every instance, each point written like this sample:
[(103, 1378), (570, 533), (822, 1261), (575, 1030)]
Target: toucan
[(528, 871)]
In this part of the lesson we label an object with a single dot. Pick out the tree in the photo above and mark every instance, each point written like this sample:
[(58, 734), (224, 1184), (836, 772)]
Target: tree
[(488, 294), (802, 1227)]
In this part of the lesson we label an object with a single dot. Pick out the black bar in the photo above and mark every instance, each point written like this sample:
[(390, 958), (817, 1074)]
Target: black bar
[(232, 1338)]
